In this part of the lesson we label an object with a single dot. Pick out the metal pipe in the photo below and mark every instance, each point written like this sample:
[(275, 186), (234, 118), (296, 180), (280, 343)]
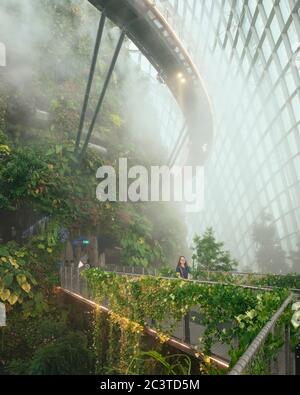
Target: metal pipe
[(247, 357), (90, 80), (101, 98), (267, 289), (216, 360), (287, 344), (177, 147)]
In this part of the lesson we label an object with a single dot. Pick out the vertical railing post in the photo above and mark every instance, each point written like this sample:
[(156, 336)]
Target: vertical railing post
[(186, 328), (274, 364), (287, 341), (71, 276), (61, 275), (78, 280), (297, 360), (85, 287), (67, 277), (182, 330)]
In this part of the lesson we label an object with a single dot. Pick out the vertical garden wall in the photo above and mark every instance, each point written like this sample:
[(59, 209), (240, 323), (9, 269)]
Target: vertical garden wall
[(40, 101)]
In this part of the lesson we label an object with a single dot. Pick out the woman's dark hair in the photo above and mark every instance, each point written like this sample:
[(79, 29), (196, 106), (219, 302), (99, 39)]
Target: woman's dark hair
[(186, 264)]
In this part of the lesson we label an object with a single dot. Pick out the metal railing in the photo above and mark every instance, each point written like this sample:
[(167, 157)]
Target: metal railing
[(71, 280), (189, 332), (140, 271), (251, 361), (176, 22), (209, 276)]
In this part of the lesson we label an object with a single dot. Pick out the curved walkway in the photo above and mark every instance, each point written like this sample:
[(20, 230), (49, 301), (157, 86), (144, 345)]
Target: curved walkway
[(145, 25)]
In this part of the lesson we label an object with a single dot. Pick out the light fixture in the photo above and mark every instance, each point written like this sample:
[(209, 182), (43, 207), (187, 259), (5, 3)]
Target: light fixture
[(180, 75)]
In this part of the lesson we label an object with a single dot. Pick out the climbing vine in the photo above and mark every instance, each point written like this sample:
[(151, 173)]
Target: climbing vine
[(291, 280), (230, 314), (15, 281)]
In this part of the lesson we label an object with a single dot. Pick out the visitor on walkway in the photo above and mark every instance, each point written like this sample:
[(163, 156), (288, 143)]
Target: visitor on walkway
[(183, 270)]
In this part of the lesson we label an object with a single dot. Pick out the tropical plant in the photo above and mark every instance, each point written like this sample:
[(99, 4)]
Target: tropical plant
[(68, 355), (170, 365), (229, 314), (209, 254), (16, 281), (270, 257)]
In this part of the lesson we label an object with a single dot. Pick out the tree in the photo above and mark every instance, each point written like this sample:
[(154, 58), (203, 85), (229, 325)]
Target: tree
[(294, 257), (210, 255), (270, 257)]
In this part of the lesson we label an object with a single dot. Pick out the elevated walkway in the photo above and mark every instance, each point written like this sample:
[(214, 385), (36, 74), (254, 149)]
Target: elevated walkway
[(145, 25)]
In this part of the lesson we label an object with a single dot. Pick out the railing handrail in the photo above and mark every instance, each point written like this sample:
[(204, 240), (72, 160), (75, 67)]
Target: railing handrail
[(250, 286), (209, 282), (255, 345), (185, 347), (236, 273), (231, 272), (249, 354)]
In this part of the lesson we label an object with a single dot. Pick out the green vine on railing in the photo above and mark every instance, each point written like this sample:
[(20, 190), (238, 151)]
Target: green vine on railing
[(290, 280), (230, 315)]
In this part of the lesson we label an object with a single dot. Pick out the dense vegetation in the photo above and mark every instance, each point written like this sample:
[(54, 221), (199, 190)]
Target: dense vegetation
[(291, 281), (209, 254), (230, 315), (39, 173)]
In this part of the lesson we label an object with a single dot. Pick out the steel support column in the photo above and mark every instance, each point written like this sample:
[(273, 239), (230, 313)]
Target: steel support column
[(90, 80), (102, 95), (177, 146), (186, 329)]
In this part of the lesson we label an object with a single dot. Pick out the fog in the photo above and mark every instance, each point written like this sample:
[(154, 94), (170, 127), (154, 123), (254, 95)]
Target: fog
[(26, 29), (36, 55), (252, 190)]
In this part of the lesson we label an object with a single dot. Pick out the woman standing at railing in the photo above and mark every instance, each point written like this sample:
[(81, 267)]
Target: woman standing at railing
[(183, 270)]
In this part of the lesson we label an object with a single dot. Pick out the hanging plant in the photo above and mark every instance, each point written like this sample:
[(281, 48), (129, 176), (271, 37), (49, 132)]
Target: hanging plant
[(229, 314)]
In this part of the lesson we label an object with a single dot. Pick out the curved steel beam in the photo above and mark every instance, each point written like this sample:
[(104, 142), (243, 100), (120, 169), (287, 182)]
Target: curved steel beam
[(155, 38)]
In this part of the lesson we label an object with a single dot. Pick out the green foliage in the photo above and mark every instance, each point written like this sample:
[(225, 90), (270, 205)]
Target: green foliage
[(38, 167), (116, 120), (3, 107), (230, 314), (46, 345), (22, 175), (290, 281), (16, 281), (171, 365), (29, 270), (138, 252), (65, 117), (45, 177), (210, 255), (270, 257), (167, 272), (67, 356)]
